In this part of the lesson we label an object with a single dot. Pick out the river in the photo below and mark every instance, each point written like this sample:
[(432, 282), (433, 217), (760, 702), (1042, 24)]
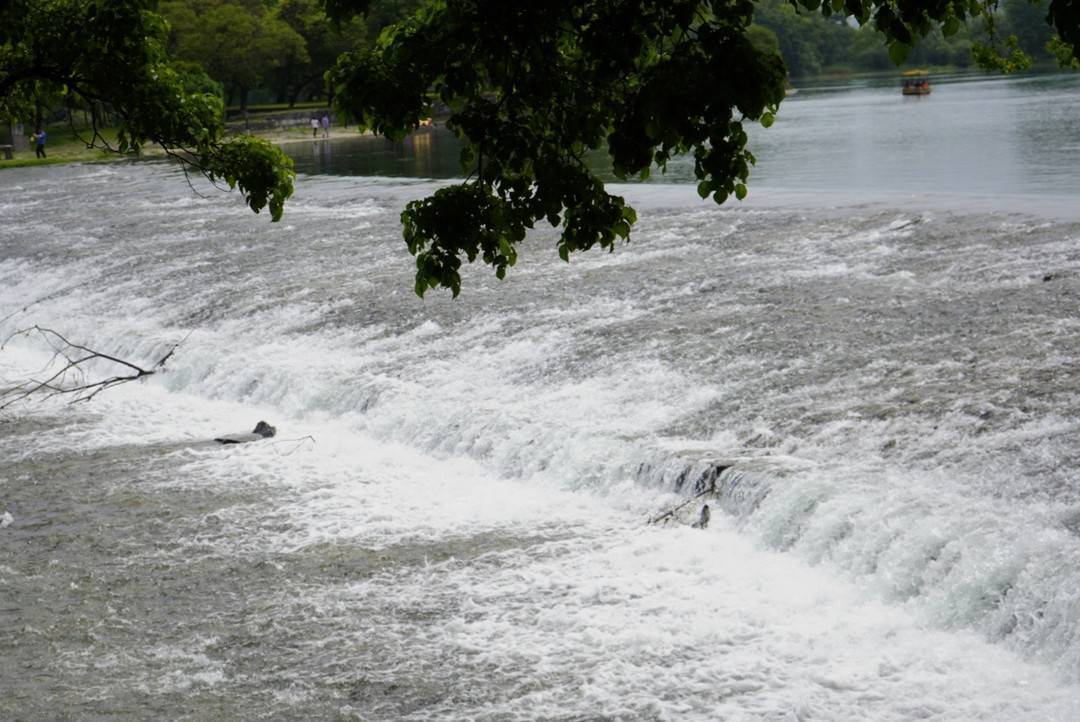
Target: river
[(880, 348)]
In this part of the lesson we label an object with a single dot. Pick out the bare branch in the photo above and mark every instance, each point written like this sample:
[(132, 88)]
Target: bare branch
[(298, 441), (71, 378), (670, 513)]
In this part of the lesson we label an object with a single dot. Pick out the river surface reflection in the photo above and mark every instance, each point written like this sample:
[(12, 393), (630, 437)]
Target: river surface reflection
[(427, 153), (985, 135)]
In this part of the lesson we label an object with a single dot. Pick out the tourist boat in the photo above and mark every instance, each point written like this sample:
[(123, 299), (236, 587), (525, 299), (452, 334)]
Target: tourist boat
[(916, 82)]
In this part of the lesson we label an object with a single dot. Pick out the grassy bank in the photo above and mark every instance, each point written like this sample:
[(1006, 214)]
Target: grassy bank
[(64, 146), (265, 108)]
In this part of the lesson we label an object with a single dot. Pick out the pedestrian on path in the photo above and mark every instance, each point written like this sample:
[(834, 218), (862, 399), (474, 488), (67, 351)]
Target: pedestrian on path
[(38, 139)]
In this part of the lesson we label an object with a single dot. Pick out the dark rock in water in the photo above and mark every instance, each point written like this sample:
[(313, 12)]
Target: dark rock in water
[(681, 478), (262, 431), (703, 520), (707, 480)]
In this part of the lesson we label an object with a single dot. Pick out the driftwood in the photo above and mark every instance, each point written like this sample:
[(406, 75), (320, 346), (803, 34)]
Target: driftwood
[(71, 379), (670, 513), (262, 431)]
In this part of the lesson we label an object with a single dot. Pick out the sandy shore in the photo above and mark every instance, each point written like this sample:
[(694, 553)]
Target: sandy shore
[(303, 135)]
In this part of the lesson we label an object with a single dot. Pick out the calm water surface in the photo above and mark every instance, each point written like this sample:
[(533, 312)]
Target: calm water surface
[(974, 135)]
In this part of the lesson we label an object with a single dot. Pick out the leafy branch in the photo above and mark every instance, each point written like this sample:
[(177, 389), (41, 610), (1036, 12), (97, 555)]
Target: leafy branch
[(110, 55)]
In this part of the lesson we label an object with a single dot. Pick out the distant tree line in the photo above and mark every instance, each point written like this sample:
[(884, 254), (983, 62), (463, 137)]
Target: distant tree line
[(280, 48), (811, 44), (532, 89)]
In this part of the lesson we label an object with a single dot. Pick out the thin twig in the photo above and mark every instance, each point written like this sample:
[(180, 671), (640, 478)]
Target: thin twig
[(296, 448), (71, 377)]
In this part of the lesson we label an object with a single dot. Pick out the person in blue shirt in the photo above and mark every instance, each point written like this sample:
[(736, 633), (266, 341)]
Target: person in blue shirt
[(39, 142)]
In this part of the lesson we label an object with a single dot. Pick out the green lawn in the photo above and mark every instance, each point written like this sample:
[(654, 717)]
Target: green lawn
[(62, 146), (234, 111)]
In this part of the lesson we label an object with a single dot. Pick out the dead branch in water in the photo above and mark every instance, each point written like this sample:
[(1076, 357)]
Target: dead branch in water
[(72, 376), (670, 513), (298, 441)]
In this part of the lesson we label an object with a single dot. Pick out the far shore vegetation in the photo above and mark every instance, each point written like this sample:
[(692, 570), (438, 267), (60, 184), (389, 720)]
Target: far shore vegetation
[(531, 90), (69, 142), (278, 52)]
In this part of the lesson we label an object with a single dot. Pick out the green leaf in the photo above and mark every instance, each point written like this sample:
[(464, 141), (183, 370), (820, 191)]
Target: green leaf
[(898, 52), (767, 119), (950, 27), (704, 188), (740, 191)]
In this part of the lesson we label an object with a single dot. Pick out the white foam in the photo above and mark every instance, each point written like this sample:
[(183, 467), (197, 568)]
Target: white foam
[(916, 443)]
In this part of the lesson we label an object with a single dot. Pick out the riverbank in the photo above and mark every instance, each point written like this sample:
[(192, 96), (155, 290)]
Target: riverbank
[(303, 135), (63, 146)]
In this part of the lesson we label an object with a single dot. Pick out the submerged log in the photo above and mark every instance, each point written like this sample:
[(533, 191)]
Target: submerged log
[(705, 484), (262, 431)]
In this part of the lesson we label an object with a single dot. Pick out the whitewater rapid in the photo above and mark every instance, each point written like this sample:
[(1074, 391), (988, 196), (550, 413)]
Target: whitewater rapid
[(451, 522)]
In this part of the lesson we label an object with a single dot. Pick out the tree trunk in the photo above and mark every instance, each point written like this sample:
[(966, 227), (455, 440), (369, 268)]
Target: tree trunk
[(294, 94), (243, 106)]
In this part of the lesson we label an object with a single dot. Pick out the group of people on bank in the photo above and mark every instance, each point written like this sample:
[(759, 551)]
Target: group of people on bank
[(317, 123)]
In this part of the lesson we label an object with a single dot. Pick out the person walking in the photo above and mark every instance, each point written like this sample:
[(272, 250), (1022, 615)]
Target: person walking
[(325, 125), (38, 139), (314, 127)]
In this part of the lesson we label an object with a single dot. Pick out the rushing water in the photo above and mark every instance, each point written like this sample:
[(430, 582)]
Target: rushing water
[(451, 521)]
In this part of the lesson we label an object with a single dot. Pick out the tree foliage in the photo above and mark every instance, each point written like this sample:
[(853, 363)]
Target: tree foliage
[(537, 89), (811, 43), (532, 89), (1027, 21), (240, 46), (808, 42), (324, 42), (110, 55), (281, 46), (1063, 52)]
